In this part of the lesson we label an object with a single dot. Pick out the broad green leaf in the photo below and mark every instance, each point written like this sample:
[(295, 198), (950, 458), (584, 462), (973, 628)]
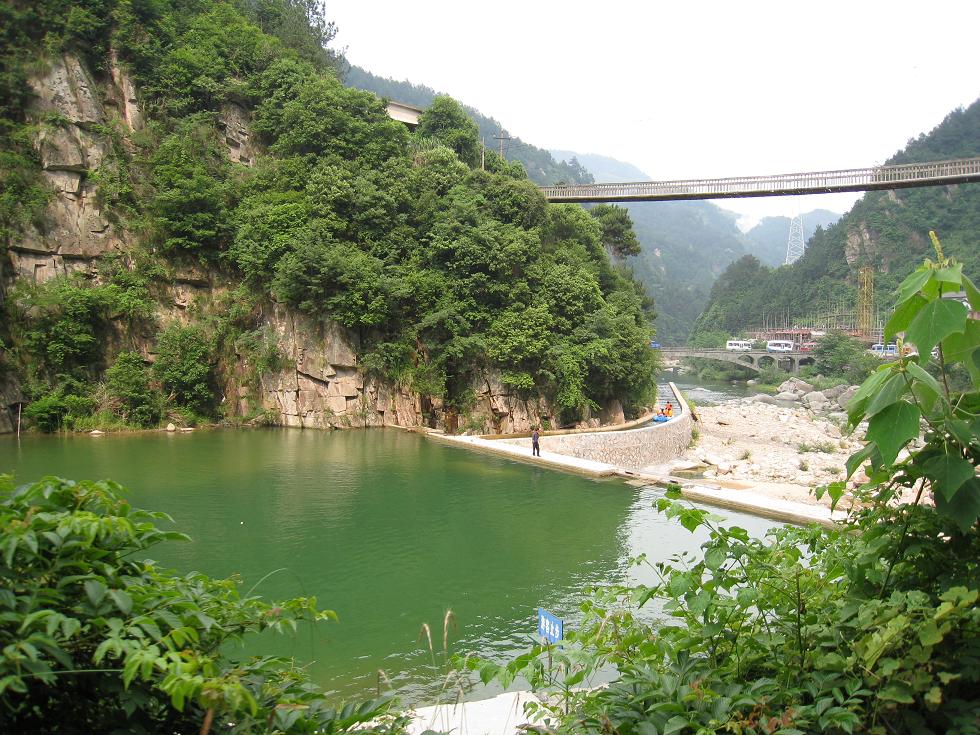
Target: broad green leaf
[(691, 518), (699, 602), (892, 428), (676, 724), (836, 492), (916, 280), (929, 633), (857, 459), (919, 373), (949, 473), (95, 591), (964, 507), (936, 321), (951, 274), (893, 389), (925, 396), (855, 407), (903, 315), (965, 347), (897, 691), (122, 599), (960, 430), (714, 558), (972, 293)]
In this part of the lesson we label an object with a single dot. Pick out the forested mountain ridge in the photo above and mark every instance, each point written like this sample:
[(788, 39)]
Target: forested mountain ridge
[(542, 168), (684, 246), (200, 220), (887, 230)]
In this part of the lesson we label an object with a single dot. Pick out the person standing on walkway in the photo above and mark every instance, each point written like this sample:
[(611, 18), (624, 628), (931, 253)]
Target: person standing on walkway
[(535, 445)]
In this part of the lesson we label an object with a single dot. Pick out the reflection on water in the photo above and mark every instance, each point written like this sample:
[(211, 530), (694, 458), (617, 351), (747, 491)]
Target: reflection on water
[(385, 527)]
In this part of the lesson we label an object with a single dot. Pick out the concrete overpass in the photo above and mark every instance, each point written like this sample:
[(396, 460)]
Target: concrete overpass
[(754, 360)]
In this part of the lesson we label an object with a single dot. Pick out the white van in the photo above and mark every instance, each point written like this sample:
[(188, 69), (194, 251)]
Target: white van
[(889, 350), (738, 345), (779, 345)]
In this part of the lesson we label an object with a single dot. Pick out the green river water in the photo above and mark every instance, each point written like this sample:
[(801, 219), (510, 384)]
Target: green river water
[(385, 527)]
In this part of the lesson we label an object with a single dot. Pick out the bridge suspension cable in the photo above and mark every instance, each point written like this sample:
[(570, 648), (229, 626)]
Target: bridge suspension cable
[(898, 176)]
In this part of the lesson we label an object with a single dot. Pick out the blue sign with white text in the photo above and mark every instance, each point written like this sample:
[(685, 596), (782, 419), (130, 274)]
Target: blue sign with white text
[(550, 628)]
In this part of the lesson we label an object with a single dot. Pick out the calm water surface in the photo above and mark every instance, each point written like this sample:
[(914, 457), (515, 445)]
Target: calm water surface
[(385, 527)]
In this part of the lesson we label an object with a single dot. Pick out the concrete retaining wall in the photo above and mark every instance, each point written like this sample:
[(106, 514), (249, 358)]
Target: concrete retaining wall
[(632, 449)]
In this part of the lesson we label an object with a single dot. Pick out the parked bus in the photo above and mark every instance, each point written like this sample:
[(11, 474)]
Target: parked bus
[(738, 345), (779, 345)]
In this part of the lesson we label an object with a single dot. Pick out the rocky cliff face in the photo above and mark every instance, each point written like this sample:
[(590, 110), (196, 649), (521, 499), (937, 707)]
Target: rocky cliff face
[(72, 113), (323, 386)]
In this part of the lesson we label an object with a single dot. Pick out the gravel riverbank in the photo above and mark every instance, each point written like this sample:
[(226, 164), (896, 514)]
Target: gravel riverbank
[(778, 449)]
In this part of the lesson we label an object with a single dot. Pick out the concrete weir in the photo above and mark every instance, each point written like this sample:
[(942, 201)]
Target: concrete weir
[(623, 452), (598, 453)]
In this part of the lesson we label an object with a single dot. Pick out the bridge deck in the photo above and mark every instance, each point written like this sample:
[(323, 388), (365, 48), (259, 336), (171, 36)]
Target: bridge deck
[(935, 173)]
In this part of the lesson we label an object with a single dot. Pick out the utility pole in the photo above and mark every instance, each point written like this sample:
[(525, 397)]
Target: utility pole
[(502, 138), (483, 154)]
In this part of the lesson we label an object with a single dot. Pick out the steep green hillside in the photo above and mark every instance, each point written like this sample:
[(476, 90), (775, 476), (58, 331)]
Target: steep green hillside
[(887, 230), (223, 176), (541, 167), (767, 240), (684, 247)]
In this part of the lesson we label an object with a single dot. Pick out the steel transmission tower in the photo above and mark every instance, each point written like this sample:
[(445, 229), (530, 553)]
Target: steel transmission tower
[(795, 244)]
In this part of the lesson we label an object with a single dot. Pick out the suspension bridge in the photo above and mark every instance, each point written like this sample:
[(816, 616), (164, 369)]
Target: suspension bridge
[(898, 176)]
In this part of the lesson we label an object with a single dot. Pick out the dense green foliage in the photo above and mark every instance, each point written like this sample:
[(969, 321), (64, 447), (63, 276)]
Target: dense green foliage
[(94, 638), (883, 230), (445, 121), (837, 355), (184, 367), (540, 165), (871, 626), (684, 246), (128, 381), (439, 267)]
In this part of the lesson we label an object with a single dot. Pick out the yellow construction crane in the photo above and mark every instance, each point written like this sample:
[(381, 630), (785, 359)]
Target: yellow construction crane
[(866, 301)]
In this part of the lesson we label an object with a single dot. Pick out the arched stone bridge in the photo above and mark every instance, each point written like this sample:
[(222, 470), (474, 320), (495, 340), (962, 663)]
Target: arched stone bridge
[(753, 360)]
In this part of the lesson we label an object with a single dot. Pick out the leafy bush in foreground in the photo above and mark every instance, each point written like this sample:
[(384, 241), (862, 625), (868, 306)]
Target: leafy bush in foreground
[(96, 640), (870, 627)]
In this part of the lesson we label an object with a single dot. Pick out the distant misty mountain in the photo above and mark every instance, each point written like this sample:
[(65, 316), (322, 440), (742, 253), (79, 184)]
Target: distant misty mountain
[(685, 246), (767, 240), (604, 170)]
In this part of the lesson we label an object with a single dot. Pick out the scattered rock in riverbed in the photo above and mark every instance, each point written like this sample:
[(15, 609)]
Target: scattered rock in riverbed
[(832, 393), (785, 395), (764, 398), (795, 385), (816, 401), (171, 427), (846, 396)]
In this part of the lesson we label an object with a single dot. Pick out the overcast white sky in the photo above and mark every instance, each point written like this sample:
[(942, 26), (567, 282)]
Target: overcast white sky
[(683, 89)]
